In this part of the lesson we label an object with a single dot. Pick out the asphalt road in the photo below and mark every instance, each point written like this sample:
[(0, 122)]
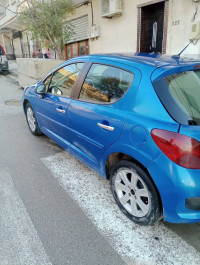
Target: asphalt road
[(54, 210)]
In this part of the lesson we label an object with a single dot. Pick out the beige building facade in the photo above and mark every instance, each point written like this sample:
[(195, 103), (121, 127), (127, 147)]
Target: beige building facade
[(104, 26), (124, 33), (10, 29)]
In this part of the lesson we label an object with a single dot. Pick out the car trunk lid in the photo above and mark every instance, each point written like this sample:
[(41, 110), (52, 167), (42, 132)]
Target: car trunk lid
[(192, 131)]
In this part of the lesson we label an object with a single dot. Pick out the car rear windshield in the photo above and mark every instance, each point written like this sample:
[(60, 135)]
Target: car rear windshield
[(180, 95)]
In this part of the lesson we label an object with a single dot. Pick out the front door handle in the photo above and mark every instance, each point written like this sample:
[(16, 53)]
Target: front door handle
[(106, 127), (60, 110)]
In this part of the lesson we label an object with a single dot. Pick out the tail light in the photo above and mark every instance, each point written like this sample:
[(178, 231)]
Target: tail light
[(181, 149)]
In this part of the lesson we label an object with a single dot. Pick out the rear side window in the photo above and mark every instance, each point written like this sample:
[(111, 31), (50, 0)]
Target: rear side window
[(105, 83), (180, 94)]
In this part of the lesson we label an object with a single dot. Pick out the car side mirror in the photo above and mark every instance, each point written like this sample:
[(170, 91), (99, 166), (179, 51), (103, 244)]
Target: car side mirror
[(41, 90), (55, 90)]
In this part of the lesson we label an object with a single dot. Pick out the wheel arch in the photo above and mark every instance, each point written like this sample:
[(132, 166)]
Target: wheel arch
[(25, 103), (115, 157)]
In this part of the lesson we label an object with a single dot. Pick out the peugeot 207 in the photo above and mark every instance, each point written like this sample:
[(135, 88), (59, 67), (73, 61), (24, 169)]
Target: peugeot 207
[(134, 119)]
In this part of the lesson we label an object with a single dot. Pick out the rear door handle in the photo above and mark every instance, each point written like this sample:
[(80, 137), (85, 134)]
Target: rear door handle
[(60, 110), (106, 127)]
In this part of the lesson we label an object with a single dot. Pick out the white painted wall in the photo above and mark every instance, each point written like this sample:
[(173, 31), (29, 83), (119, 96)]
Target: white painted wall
[(9, 15), (31, 70), (17, 46), (1, 40), (7, 43), (181, 11), (119, 34)]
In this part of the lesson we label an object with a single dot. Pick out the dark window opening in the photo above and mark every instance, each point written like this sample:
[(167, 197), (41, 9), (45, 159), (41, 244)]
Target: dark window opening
[(152, 23)]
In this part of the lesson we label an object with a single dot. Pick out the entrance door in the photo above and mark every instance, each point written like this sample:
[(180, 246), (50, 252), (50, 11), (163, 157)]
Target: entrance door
[(152, 21)]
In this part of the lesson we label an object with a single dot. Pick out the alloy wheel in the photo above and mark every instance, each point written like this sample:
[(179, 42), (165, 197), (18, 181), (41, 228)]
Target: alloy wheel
[(132, 192), (31, 119)]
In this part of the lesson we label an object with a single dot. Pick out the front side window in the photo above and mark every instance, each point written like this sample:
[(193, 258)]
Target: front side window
[(180, 94), (47, 81), (64, 79), (105, 83)]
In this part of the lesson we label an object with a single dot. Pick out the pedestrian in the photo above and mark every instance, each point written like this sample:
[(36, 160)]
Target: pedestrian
[(34, 54), (45, 56), (40, 54)]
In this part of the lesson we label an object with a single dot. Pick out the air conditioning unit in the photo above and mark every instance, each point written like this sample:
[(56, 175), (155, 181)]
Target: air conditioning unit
[(94, 32), (110, 8)]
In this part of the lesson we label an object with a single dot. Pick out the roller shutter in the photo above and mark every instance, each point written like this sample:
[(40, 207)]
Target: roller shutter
[(80, 28)]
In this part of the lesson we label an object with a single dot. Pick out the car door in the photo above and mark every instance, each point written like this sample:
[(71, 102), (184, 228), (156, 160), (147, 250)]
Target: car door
[(52, 108), (97, 116)]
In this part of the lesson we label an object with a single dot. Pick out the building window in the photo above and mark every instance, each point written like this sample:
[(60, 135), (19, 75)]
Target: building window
[(78, 43), (76, 49)]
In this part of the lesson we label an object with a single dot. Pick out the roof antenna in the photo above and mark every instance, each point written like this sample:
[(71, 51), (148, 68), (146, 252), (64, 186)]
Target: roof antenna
[(177, 56)]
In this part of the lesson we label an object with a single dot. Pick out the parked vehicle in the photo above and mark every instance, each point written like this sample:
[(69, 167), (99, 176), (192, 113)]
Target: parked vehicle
[(3, 61), (135, 119)]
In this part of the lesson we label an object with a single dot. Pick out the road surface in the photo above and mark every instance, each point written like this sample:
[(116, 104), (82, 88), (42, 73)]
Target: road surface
[(55, 210)]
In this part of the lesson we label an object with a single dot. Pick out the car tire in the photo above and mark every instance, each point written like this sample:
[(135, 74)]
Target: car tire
[(31, 120), (135, 193)]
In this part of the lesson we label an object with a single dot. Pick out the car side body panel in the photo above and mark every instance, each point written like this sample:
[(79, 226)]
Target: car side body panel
[(85, 118), (182, 183)]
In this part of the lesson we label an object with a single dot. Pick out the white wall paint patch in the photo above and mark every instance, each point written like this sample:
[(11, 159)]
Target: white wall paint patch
[(135, 244)]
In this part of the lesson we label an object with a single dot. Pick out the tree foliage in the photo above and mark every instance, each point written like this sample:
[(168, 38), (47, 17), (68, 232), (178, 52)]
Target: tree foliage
[(48, 21)]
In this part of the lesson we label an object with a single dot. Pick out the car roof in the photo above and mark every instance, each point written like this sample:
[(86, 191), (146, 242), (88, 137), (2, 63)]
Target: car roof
[(153, 60), (154, 64)]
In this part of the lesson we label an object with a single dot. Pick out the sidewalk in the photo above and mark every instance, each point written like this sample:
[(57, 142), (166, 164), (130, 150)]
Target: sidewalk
[(12, 65), (12, 76)]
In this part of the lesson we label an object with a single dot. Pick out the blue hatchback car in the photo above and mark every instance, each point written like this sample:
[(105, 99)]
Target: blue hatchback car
[(135, 119)]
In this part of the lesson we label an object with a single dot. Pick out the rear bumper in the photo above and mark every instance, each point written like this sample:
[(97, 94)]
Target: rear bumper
[(193, 203), (179, 189)]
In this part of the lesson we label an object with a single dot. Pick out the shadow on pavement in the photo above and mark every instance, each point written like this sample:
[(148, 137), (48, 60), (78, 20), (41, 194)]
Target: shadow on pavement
[(189, 232)]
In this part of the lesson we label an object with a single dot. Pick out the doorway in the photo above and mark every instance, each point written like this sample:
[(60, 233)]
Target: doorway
[(152, 27)]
